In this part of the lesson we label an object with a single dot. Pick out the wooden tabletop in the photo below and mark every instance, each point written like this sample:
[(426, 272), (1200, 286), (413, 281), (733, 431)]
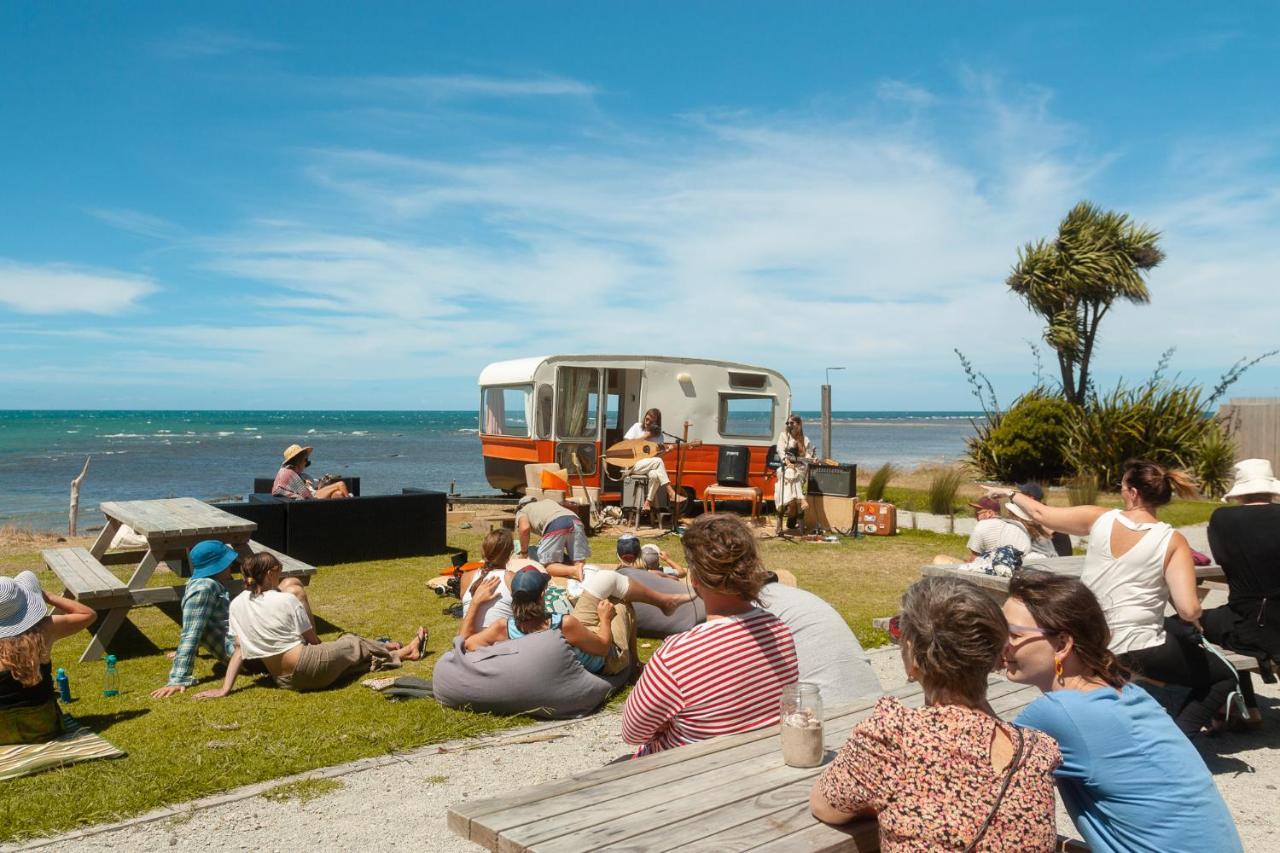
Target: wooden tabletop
[(729, 793), (175, 517)]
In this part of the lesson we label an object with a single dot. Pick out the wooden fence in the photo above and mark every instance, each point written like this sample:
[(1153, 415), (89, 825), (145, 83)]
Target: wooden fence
[(1255, 422)]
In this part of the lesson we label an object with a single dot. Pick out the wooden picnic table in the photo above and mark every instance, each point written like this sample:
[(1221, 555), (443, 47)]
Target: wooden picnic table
[(168, 525), (728, 793)]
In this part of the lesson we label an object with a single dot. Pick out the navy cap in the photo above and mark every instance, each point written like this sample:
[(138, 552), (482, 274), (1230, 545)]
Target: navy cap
[(628, 545), (528, 584)]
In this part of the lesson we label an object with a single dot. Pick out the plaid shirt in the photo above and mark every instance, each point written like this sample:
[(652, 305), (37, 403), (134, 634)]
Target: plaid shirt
[(204, 617)]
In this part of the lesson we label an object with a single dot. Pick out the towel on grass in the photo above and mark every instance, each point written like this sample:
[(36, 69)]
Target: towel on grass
[(75, 745)]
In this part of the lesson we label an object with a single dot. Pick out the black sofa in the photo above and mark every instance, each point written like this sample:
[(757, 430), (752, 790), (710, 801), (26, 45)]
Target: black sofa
[(349, 530)]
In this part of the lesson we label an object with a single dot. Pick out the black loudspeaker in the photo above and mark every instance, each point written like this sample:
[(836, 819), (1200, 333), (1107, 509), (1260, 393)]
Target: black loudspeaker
[(732, 465), (836, 480)]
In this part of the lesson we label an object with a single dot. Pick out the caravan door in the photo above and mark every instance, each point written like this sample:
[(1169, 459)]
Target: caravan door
[(578, 420)]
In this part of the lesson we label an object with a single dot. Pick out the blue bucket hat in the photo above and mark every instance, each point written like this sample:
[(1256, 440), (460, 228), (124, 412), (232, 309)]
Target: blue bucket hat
[(211, 557)]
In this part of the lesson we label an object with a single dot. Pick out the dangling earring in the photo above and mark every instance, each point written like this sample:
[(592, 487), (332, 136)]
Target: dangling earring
[(1057, 670)]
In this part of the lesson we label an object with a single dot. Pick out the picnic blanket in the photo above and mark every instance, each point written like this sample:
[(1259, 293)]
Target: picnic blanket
[(77, 744)]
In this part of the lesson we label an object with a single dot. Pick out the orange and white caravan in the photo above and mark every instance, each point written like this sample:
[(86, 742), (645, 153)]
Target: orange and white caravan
[(548, 409)]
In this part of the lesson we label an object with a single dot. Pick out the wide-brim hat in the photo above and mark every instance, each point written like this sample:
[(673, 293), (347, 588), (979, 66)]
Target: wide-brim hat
[(211, 557), (1018, 511), (1253, 477), (21, 604), (293, 451), (525, 501)]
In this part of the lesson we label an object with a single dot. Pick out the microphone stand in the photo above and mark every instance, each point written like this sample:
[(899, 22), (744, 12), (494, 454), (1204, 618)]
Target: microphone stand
[(680, 441)]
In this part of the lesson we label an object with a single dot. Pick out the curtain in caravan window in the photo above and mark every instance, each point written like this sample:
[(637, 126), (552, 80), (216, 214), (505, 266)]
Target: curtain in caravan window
[(577, 399), (493, 411)]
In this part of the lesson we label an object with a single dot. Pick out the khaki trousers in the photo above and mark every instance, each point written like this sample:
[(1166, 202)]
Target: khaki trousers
[(322, 665), (623, 629)]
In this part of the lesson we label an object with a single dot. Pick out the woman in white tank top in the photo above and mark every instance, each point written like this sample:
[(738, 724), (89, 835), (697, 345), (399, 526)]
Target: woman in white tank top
[(1136, 565)]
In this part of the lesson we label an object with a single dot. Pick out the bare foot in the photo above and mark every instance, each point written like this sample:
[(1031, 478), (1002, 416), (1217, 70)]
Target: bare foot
[(646, 507), (418, 648)]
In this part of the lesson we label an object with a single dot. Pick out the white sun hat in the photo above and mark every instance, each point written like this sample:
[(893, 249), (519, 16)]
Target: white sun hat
[(1253, 477), (21, 604)]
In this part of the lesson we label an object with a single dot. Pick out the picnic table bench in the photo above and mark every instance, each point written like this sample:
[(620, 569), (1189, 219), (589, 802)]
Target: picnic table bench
[(728, 793), (170, 527)]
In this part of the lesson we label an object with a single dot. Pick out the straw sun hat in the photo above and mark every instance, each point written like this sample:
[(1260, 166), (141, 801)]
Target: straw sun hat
[(21, 604), (1253, 477), (293, 451)]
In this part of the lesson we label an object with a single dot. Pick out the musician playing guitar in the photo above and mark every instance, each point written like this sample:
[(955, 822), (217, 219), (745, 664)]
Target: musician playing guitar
[(649, 428)]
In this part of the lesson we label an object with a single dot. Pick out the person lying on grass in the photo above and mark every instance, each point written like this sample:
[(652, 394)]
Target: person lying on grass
[(273, 627)]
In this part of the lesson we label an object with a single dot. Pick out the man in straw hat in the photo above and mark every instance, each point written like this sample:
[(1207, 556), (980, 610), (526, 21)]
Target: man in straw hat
[(291, 485), (1245, 541), (28, 705)]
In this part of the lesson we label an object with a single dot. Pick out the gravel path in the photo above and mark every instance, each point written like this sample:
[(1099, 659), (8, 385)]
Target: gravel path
[(399, 802)]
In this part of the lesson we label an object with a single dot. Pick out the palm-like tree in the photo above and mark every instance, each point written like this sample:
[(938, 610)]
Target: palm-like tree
[(1098, 257)]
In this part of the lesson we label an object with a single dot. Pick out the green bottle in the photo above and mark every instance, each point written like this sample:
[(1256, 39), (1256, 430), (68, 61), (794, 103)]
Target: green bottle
[(111, 683)]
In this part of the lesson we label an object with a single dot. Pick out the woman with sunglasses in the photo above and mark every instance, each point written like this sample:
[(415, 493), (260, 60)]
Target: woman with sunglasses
[(795, 452), (1128, 778)]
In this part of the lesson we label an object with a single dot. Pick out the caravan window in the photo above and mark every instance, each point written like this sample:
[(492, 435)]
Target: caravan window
[(746, 415), (577, 402), (544, 411), (505, 410)]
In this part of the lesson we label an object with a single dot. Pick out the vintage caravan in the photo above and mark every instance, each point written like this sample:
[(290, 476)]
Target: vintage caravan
[(553, 408)]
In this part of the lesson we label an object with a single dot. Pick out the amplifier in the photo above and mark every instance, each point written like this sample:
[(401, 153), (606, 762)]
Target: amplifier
[(837, 480)]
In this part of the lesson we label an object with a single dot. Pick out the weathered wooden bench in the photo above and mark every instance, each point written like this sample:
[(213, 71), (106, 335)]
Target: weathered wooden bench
[(85, 579)]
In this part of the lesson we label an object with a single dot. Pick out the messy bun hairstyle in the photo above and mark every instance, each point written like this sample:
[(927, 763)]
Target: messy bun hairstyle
[(723, 557), (1156, 484), (955, 634), (256, 569)]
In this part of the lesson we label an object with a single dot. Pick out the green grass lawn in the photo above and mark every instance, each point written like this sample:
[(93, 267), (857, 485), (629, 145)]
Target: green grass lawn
[(180, 749)]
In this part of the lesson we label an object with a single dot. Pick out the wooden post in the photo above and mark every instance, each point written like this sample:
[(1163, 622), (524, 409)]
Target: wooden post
[(826, 421), (73, 514)]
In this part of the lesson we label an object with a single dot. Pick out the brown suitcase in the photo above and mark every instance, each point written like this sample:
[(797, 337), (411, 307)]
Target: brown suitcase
[(877, 518)]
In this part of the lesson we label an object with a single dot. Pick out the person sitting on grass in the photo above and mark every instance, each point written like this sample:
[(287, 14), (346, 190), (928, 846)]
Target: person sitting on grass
[(563, 546), (205, 600), (273, 627), (528, 616), (1123, 759), (29, 710), (496, 551), (727, 674), (950, 775), (291, 485)]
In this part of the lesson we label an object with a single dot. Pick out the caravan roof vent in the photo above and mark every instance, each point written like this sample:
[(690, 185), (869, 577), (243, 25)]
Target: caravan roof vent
[(754, 381)]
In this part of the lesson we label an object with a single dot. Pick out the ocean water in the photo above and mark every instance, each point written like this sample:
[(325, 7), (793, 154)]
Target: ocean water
[(211, 455)]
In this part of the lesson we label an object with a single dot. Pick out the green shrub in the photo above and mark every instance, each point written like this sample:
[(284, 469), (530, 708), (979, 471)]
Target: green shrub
[(1215, 460), (1159, 421), (1028, 442), (880, 481), (943, 486)]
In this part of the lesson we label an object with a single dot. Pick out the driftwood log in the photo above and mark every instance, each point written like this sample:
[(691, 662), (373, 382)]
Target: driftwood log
[(73, 514)]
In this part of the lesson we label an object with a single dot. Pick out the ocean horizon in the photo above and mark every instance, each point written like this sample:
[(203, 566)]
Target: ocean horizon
[(139, 454)]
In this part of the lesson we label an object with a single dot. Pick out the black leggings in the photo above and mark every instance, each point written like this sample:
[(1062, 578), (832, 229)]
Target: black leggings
[(1181, 661)]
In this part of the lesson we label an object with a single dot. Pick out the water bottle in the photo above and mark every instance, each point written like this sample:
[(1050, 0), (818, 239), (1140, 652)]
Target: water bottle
[(64, 686), (111, 683)]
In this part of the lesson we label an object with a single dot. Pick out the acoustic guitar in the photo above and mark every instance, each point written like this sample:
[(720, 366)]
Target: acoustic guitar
[(629, 451)]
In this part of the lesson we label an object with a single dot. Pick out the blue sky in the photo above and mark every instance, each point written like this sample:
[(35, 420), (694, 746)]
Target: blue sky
[(323, 205)]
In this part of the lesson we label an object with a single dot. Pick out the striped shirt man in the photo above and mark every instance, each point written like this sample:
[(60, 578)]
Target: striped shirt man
[(721, 677)]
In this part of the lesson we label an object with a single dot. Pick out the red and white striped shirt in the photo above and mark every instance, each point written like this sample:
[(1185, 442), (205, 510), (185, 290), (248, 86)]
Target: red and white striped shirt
[(720, 677)]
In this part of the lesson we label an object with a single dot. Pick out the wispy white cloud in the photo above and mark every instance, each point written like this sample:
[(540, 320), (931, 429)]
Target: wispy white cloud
[(64, 289), (136, 222), (443, 87), (208, 42)]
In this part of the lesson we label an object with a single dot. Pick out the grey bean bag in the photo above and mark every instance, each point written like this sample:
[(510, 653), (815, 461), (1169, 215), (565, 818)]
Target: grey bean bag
[(650, 621), (535, 675)]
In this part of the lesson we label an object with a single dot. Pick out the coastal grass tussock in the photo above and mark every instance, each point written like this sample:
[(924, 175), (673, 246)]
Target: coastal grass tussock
[(944, 485), (880, 481)]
